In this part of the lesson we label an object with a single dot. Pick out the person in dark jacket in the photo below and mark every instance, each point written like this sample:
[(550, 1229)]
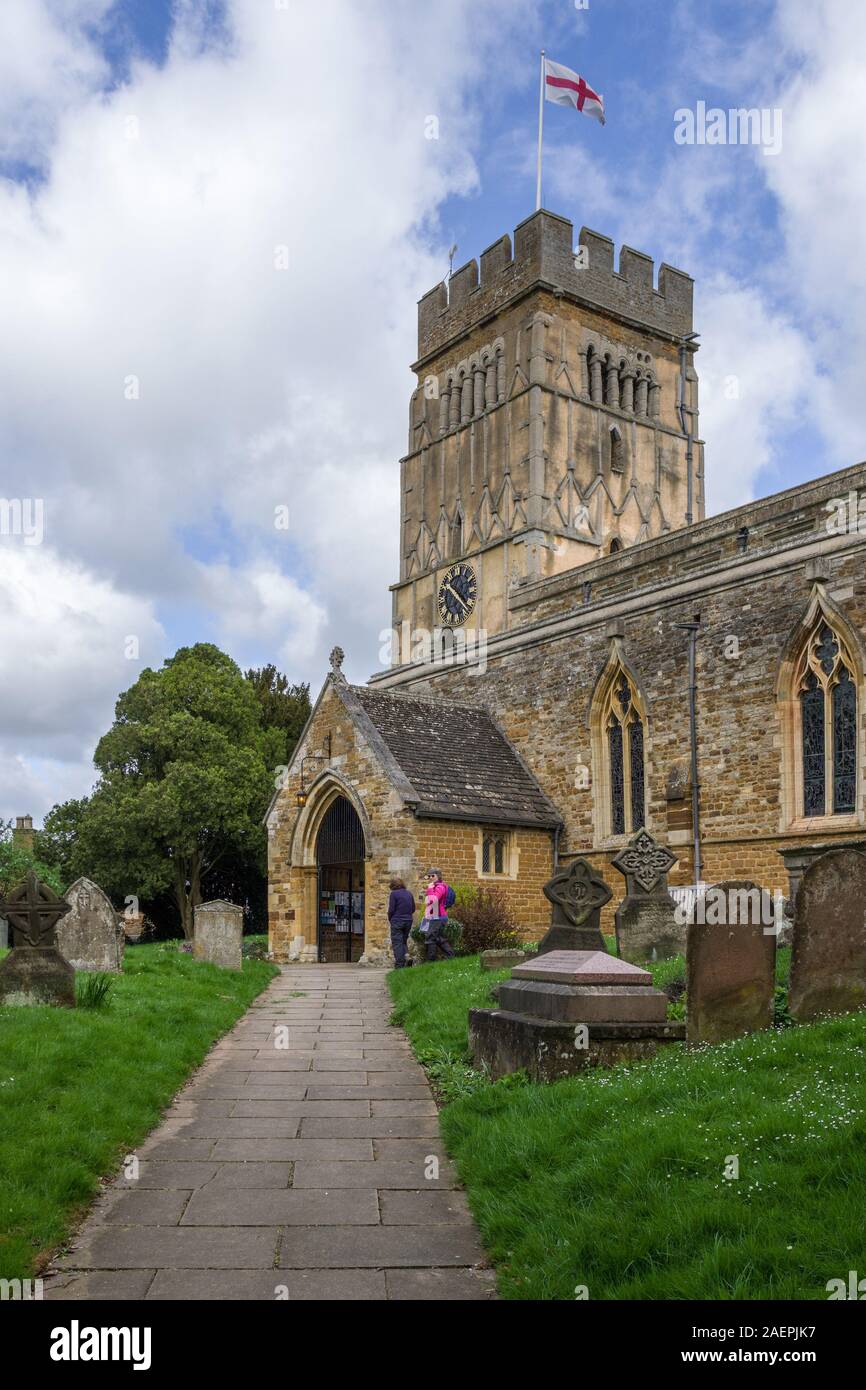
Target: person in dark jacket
[(401, 910)]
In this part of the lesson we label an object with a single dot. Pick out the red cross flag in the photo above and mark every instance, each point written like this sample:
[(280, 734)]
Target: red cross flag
[(564, 88)]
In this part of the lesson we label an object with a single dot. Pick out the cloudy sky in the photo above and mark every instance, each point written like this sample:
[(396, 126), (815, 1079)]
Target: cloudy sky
[(216, 217)]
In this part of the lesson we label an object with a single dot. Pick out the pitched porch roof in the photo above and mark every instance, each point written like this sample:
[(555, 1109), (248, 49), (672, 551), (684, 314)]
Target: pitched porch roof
[(457, 762)]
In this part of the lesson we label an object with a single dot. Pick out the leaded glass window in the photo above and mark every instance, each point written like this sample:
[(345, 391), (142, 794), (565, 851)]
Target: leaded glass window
[(624, 733), (638, 792), (827, 694), (844, 744), (617, 778), (814, 771), (494, 859)]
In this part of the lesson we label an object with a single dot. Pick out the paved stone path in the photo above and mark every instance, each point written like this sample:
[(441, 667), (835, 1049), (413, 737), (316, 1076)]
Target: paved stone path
[(294, 1172)]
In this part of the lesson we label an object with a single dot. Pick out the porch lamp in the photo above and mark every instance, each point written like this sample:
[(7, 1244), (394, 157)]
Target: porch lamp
[(301, 796)]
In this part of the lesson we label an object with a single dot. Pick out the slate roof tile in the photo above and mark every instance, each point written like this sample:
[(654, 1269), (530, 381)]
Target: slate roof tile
[(458, 761)]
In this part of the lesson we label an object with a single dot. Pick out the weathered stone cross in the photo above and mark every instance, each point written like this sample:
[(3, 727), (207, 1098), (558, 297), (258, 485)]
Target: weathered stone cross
[(33, 910)]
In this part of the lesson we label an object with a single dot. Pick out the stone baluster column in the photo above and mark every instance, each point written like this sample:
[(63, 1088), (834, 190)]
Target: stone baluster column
[(490, 385), (444, 408), (596, 389), (478, 381), (640, 396), (627, 399), (500, 377), (655, 393), (466, 399), (454, 407), (612, 383)]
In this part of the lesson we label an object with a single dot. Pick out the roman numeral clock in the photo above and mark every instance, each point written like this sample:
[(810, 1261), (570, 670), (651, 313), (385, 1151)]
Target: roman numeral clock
[(457, 594)]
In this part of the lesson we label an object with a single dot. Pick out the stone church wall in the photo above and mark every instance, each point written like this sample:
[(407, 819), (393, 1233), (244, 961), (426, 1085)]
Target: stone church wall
[(751, 575)]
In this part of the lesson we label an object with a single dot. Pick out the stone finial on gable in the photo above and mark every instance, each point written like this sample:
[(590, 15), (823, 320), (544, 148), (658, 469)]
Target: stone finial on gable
[(336, 659)]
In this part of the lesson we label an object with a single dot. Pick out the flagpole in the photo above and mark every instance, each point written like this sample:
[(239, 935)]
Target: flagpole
[(540, 129)]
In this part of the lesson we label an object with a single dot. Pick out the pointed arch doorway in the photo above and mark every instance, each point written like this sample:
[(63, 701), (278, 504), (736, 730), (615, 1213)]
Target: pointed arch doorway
[(340, 854)]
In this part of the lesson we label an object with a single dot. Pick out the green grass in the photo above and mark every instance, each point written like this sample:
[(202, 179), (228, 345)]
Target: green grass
[(80, 1088), (614, 1180)]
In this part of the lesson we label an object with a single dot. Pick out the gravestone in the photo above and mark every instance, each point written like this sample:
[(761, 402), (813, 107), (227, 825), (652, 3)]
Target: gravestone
[(730, 965), (498, 959), (828, 962), (34, 972), (578, 894), (4, 933), (219, 928), (90, 936), (646, 920)]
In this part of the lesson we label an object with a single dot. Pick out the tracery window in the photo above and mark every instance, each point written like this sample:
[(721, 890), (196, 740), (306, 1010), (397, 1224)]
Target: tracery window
[(623, 725), (827, 698)]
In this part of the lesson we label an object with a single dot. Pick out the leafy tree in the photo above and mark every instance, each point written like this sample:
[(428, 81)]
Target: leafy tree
[(283, 706), (57, 842), (186, 775), (16, 862)]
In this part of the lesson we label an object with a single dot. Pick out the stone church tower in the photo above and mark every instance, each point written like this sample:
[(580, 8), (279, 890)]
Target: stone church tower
[(555, 421)]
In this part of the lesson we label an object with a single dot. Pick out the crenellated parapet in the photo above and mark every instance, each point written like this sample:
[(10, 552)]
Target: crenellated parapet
[(546, 253)]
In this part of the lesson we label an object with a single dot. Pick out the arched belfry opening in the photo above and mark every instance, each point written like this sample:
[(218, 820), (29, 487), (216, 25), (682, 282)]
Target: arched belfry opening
[(340, 854)]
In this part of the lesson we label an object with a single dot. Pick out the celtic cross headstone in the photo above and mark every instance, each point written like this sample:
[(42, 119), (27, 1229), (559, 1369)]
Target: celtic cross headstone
[(645, 921), (578, 894), (35, 972)]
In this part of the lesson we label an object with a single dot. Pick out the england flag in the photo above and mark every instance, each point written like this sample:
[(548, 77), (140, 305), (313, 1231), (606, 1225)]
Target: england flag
[(565, 88)]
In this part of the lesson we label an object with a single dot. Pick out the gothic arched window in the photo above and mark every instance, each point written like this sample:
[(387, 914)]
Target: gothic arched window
[(826, 691), (622, 726)]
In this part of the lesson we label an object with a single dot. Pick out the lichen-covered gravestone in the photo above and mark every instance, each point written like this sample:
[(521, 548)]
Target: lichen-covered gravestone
[(730, 964), (646, 920), (219, 928), (828, 962), (34, 972), (90, 936)]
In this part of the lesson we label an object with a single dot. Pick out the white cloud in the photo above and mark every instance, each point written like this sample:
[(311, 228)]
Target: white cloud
[(47, 63), (752, 370), (64, 635), (259, 607), (166, 384)]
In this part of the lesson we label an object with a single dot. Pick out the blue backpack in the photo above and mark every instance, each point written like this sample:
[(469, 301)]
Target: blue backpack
[(450, 897)]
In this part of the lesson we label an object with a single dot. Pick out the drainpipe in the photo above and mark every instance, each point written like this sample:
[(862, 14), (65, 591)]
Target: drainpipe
[(687, 344), (557, 832), (692, 629)]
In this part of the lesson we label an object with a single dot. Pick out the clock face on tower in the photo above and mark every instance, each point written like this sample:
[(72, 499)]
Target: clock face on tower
[(457, 593)]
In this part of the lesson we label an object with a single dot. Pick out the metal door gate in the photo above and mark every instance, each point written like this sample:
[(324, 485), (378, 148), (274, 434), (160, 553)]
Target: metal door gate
[(340, 858)]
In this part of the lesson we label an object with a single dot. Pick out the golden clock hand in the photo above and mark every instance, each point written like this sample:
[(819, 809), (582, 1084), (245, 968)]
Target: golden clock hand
[(447, 586)]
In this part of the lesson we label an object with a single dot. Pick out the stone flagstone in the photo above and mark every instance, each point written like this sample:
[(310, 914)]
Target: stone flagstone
[(264, 1191)]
